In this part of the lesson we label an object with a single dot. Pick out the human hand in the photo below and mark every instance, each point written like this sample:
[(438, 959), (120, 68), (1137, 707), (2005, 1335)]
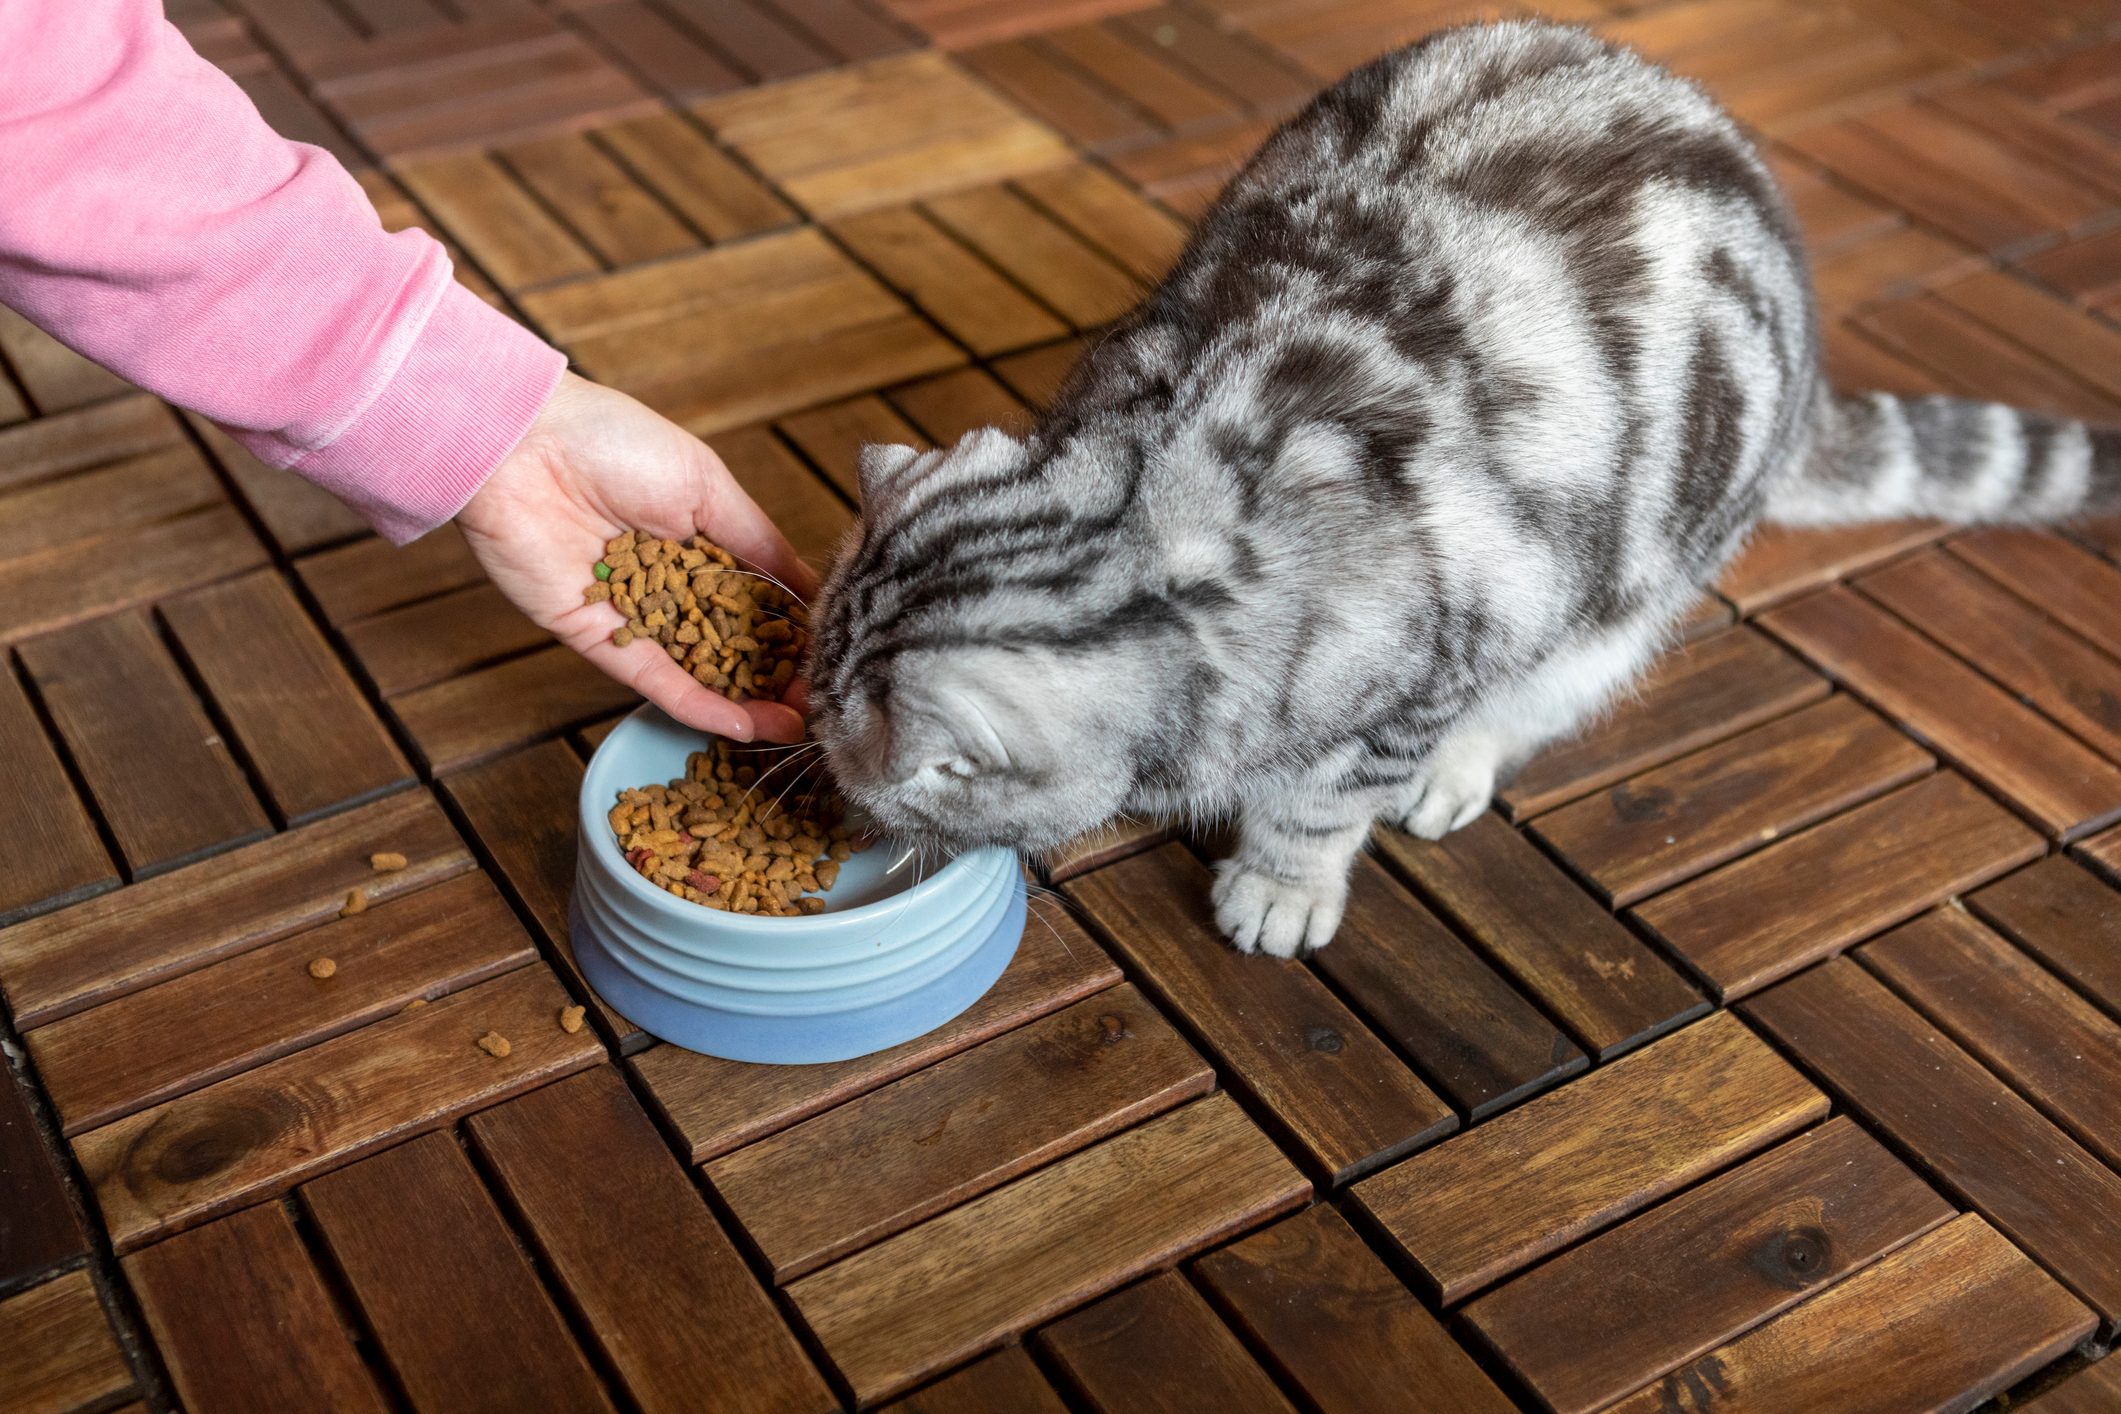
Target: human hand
[(596, 463)]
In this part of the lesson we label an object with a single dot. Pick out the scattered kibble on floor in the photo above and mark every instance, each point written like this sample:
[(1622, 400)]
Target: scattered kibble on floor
[(414, 1005), (388, 861), (736, 632), (356, 902), (571, 1019), (495, 1044), (322, 968)]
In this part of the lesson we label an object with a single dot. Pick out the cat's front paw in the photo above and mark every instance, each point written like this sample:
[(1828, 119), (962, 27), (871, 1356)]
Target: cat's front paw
[(1258, 913), (1449, 795)]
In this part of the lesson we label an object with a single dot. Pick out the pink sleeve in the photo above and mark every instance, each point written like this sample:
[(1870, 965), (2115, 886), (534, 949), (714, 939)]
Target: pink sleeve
[(150, 219)]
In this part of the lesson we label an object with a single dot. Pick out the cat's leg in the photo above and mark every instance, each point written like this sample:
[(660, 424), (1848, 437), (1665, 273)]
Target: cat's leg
[(1285, 888)]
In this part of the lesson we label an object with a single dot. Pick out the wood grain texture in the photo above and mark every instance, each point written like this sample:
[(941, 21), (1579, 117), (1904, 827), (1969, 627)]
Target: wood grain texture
[(978, 305), (1764, 916), (261, 1132), (701, 182), (1945, 1322), (1347, 1101), (598, 199), (437, 638), (1007, 1379), (489, 710), (1157, 1348), (53, 966), (57, 1352), (1668, 824), (513, 238), (1969, 1130), (38, 1229), (87, 437), (2094, 1390), (971, 1278), (1108, 214), (1606, 1318), (1529, 1182), (2104, 852), (370, 576), (1060, 95), (244, 1323), (1108, 844), (801, 504), (951, 404), (1780, 563), (1338, 1326), (833, 436), (299, 515), (54, 853), (59, 587), (638, 1256), (1605, 985), (2065, 580), (1046, 258), (472, 1330), (2067, 917), (104, 1063), (717, 1105), (1472, 1034)]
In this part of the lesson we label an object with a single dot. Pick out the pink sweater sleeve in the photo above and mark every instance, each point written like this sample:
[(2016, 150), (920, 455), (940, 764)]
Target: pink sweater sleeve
[(150, 219)]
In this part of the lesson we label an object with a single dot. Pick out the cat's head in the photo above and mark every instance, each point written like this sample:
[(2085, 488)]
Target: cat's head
[(985, 665)]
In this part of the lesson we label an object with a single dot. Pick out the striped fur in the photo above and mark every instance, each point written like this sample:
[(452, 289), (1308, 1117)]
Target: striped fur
[(1481, 369)]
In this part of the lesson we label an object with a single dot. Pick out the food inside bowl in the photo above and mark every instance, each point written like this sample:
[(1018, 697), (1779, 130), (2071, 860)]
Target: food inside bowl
[(714, 837), (736, 632)]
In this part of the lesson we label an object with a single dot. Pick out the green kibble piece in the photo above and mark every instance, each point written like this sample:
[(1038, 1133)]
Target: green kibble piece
[(603, 570)]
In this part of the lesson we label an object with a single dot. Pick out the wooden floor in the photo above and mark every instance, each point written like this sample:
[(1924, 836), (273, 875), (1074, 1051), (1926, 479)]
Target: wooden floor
[(1761, 1051)]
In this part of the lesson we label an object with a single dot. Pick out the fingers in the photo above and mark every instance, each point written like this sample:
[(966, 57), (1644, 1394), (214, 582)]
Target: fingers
[(798, 696), (648, 670), (775, 721)]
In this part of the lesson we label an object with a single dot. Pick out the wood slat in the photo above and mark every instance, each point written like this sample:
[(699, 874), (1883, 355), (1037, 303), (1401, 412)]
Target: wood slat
[(262, 1132), (54, 854), (109, 1061), (1004, 1380), (1345, 1099), (1780, 563), (1337, 1325), (1967, 1128), (2066, 917), (2093, 1390), (832, 437), (701, 182), (979, 306), (801, 504), (97, 435), (1973, 359), (1931, 186), (951, 404), (243, 1322), (1763, 917), (1529, 1182), (141, 491), (312, 741), (487, 711), (2070, 583), (1669, 824), (1950, 1319), (957, 1129), (1250, 72), (1176, 99), (1046, 258), (1157, 1347), (439, 638), (51, 967), (2062, 784), (756, 37), (162, 777), (716, 1105), (669, 58), (1036, 374), (57, 1351), (299, 515), (2086, 347), (516, 242), (370, 576), (602, 204), (61, 587), (1107, 844), (1058, 93), (38, 1229), (1476, 1039), (1606, 1318), (1604, 984), (635, 1252), (472, 1330), (970, 1278)]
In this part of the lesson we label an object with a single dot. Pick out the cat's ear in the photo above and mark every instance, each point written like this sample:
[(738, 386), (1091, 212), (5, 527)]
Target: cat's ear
[(879, 462)]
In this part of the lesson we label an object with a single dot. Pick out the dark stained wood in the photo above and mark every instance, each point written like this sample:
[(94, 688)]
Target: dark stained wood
[(1338, 1326), (2066, 917), (1347, 1101), (372, 575), (1157, 1348), (668, 57), (2019, 1019), (59, 587), (1609, 989), (1950, 1319), (54, 854), (1044, 257), (1606, 1318), (262, 1132), (38, 1229), (438, 638), (489, 710), (57, 1351), (1173, 97), (1108, 844), (1969, 1130), (311, 739), (244, 1323), (880, 1163), (162, 777), (972, 1277), (1059, 94), (980, 306), (1769, 914), (833, 436), (1004, 1380), (299, 515), (1695, 695), (716, 1105), (1780, 562), (1529, 1182), (92, 436), (106, 947), (459, 1314), (2094, 1390), (636, 1253), (2067, 582), (1471, 1033), (2104, 851), (140, 491), (101, 1064), (1666, 825)]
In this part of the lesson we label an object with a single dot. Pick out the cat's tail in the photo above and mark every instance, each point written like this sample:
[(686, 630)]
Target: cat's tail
[(1876, 456)]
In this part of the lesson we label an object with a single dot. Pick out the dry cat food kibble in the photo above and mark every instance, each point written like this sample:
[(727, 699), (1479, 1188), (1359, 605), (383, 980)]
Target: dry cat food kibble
[(495, 1045), (738, 633), (356, 902), (323, 967), (711, 839), (571, 1019), (388, 862)]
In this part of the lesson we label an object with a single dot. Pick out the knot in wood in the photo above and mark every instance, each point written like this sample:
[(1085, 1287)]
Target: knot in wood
[(1322, 1038), (1112, 1029), (1794, 1258)]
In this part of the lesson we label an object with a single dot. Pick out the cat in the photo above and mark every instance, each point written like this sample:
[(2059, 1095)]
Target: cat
[(1474, 377)]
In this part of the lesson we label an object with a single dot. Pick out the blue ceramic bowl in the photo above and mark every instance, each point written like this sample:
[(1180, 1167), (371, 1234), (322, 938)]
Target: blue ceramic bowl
[(898, 951)]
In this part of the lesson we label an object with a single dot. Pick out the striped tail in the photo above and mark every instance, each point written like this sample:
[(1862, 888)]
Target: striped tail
[(1876, 456)]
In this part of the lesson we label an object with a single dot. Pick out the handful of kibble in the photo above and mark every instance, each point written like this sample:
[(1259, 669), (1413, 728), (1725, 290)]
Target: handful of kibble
[(736, 632), (712, 838)]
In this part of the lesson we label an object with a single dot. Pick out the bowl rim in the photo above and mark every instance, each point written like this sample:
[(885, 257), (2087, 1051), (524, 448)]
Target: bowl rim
[(595, 824)]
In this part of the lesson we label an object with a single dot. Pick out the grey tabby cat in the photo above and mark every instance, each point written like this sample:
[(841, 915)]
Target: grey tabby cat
[(1475, 376)]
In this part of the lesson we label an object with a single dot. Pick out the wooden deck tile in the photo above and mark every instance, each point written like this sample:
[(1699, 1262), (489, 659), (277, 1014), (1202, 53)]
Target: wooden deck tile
[(262, 1132), (370, 576), (1606, 1318), (1108, 844), (951, 404), (1347, 1101), (1156, 1345), (55, 855), (57, 1351), (962, 1126), (139, 491), (1604, 984), (700, 181), (832, 437), (1779, 563), (455, 1307), (1059, 94), (1007, 1379), (1975, 360), (1968, 1129), (1044, 256), (801, 504), (2066, 917), (972, 1277), (299, 515), (97, 435), (2089, 1391), (53, 966), (757, 38), (513, 238), (616, 217), (438, 638), (2070, 584), (1526, 1183), (57, 588), (638, 1256), (40, 1231), (717, 1105), (1335, 1322), (491, 710), (669, 58), (1036, 375), (1109, 53), (947, 280)]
